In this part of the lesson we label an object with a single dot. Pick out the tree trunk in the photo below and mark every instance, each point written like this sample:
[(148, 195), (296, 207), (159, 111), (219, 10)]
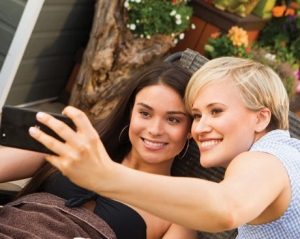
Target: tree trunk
[(112, 56)]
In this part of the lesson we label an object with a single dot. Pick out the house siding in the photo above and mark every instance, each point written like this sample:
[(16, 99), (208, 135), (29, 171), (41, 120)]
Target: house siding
[(10, 15), (62, 28)]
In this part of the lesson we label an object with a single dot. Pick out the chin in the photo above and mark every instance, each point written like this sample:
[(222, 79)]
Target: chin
[(156, 160), (207, 163)]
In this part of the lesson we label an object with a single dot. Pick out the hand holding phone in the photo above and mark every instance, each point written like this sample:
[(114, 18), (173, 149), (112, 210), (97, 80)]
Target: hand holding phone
[(15, 123)]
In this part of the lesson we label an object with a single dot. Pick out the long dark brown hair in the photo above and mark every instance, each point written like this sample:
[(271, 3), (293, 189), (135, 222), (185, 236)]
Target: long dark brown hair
[(169, 74)]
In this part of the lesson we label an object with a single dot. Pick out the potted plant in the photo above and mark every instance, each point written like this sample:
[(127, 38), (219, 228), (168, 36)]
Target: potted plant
[(235, 43)]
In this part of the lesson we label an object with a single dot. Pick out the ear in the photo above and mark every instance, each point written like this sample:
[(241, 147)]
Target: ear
[(189, 136), (263, 119)]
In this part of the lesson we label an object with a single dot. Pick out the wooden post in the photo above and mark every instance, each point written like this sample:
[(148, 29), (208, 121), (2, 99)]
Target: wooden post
[(112, 56)]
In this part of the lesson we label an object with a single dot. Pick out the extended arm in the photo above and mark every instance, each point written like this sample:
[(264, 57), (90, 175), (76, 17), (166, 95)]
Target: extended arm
[(18, 164), (191, 202), (248, 188)]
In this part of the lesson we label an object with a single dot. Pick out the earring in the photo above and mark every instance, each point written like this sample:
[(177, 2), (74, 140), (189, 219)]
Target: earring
[(120, 135), (259, 128), (186, 149)]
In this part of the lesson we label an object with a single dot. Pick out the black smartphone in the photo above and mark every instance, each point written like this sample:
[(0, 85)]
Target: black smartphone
[(15, 123)]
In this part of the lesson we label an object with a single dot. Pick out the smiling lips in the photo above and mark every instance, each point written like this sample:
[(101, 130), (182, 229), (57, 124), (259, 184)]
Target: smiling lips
[(153, 144), (209, 143)]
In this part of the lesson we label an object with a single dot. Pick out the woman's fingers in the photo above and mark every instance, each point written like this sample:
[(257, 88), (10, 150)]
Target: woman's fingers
[(82, 150), (60, 128), (51, 143), (92, 161), (78, 143), (80, 119)]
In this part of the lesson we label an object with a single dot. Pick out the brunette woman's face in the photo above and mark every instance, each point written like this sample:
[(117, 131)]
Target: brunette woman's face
[(159, 125)]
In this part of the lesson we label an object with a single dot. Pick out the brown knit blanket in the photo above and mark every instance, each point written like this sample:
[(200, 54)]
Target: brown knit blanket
[(43, 215)]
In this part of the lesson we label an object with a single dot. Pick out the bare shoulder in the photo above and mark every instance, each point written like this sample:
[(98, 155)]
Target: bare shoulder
[(255, 162), (258, 171), (257, 180)]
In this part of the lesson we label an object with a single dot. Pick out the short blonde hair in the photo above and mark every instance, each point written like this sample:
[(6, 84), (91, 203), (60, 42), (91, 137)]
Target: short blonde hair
[(257, 85)]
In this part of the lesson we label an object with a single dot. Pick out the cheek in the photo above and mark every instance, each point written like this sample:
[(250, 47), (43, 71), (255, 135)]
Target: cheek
[(193, 129), (135, 127), (136, 124), (180, 136), (227, 124)]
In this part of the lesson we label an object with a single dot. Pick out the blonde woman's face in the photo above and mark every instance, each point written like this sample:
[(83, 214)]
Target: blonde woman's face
[(159, 125), (222, 127)]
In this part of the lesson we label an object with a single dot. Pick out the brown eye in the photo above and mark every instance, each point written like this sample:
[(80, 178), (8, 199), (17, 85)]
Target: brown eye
[(174, 120), (144, 113), (216, 111), (197, 116)]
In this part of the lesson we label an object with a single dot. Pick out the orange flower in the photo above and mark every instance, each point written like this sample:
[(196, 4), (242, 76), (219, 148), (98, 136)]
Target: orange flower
[(289, 12), (238, 36), (293, 5), (215, 35), (278, 11)]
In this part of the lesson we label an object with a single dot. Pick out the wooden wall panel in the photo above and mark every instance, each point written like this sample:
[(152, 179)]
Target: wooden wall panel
[(44, 44), (10, 15), (2, 57), (11, 12), (62, 28), (64, 17), (6, 36), (31, 93), (31, 71)]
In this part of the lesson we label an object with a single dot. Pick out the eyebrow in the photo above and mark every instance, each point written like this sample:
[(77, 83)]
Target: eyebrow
[(209, 105), (169, 112)]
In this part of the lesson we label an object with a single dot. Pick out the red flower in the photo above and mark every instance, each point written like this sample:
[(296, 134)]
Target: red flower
[(174, 1), (248, 49)]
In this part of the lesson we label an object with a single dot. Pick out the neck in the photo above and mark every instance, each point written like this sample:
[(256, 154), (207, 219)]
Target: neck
[(161, 168)]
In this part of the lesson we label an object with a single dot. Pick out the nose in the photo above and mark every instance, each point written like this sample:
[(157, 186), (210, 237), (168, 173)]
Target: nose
[(201, 126), (156, 127)]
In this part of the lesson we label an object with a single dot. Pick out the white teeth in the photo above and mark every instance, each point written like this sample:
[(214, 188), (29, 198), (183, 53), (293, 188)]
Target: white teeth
[(153, 144), (209, 143)]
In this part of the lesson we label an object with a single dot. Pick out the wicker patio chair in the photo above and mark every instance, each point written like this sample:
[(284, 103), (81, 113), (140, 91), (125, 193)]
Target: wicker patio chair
[(189, 166)]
